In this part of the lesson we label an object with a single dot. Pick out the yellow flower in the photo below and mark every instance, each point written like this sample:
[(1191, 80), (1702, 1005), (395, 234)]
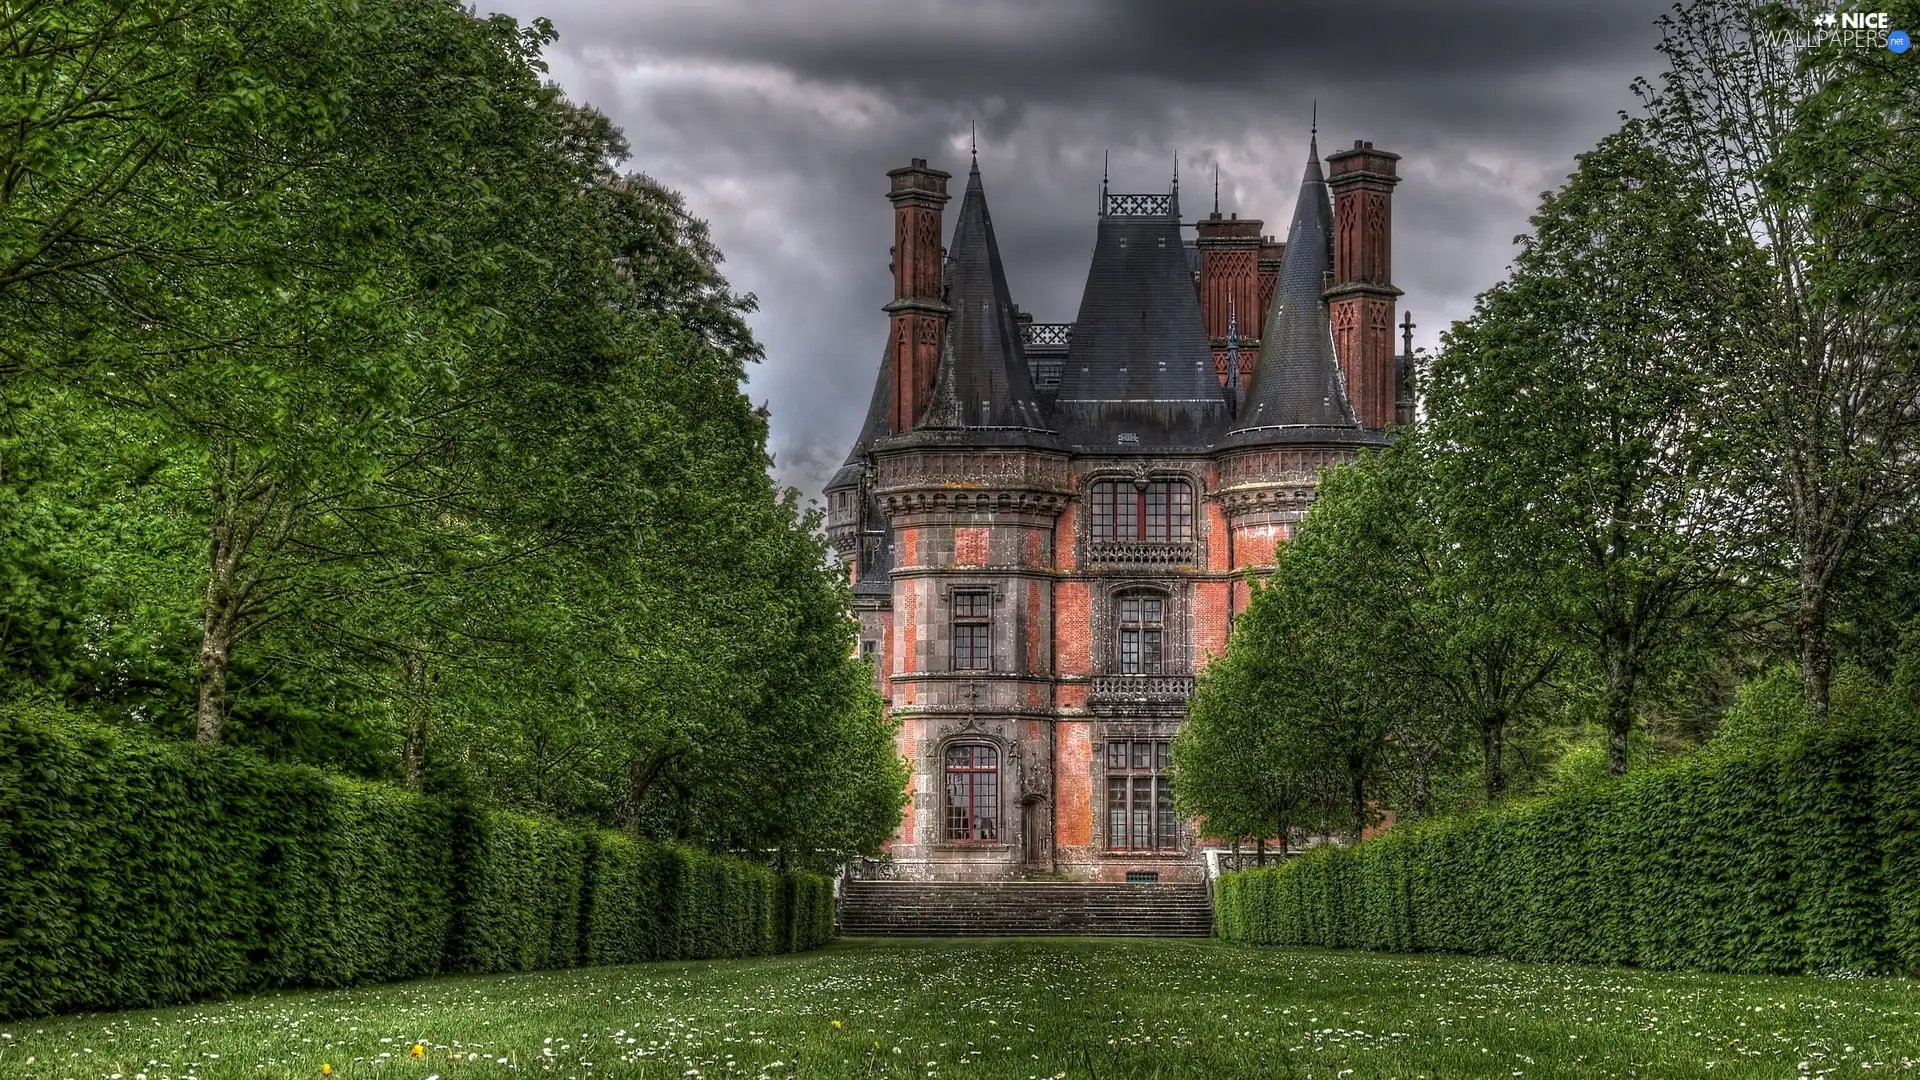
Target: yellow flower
[(326, 1070), (836, 1023), (419, 1050)]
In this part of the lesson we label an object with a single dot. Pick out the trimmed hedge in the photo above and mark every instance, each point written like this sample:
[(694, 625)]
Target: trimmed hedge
[(1803, 857), (135, 872)]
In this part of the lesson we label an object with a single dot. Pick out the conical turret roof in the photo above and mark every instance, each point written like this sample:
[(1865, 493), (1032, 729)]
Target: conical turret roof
[(983, 381), (1297, 394), (874, 427)]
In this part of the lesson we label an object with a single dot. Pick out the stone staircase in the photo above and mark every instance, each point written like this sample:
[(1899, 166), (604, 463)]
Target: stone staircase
[(953, 909)]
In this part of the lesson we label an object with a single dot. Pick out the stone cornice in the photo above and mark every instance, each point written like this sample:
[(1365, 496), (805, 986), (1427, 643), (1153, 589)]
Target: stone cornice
[(962, 502)]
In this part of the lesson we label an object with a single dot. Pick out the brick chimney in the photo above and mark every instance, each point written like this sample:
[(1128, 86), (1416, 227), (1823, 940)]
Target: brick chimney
[(1273, 254), (1230, 284), (919, 314), (1361, 296)]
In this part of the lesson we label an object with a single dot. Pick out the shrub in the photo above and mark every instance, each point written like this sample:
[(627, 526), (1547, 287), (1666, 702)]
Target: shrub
[(139, 872), (1799, 852)]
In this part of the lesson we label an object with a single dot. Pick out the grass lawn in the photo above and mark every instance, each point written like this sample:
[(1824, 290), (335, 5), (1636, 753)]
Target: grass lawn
[(1016, 1008)]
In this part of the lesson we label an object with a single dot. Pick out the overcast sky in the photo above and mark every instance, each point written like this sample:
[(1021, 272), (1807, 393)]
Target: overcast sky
[(778, 119)]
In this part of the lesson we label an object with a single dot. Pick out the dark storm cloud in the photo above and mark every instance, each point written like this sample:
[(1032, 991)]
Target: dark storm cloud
[(778, 121)]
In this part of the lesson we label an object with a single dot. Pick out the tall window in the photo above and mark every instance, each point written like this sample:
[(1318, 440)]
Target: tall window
[(973, 793), (1162, 511), (1142, 628), (1140, 797), (972, 629)]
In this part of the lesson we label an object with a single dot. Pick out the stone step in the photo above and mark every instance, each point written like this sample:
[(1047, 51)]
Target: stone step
[(918, 908)]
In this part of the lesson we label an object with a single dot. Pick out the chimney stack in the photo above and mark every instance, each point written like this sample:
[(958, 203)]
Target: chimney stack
[(1230, 285), (1361, 296), (918, 310)]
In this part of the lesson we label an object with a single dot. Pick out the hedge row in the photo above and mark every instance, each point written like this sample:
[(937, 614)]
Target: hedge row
[(1803, 857), (135, 872)]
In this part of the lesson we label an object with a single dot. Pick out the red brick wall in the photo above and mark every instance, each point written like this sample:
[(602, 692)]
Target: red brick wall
[(1072, 629), (1063, 539), (1073, 784), (970, 547), (1035, 553), (1210, 620), (1256, 546), (1218, 544)]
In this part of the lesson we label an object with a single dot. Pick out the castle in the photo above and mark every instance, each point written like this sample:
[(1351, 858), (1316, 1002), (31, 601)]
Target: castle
[(1048, 527)]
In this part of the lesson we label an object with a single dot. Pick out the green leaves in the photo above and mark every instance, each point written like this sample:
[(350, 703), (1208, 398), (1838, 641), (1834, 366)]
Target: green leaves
[(1754, 860), (444, 469), (141, 873)]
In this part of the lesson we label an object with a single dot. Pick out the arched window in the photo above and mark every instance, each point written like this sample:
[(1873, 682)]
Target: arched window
[(1142, 633), (973, 794), (1159, 512)]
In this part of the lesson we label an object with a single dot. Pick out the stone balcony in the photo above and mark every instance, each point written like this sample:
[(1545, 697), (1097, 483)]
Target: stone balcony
[(1142, 553), (1139, 695)]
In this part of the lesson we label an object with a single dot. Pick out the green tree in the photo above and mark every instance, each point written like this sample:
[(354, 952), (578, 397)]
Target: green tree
[(1239, 765), (393, 427), (1584, 402), (1811, 154)]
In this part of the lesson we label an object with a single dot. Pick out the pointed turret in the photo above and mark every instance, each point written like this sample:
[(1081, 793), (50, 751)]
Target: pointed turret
[(855, 523), (1297, 393), (983, 381), (1139, 371)]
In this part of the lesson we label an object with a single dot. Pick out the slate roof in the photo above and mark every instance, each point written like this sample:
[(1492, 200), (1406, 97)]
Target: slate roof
[(983, 381), (1297, 394), (874, 551), (875, 426), (1139, 371)]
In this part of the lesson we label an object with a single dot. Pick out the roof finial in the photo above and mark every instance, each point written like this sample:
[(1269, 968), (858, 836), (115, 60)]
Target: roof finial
[(1104, 155), (1216, 189), (1406, 334), (973, 132), (1313, 133), (1176, 172)]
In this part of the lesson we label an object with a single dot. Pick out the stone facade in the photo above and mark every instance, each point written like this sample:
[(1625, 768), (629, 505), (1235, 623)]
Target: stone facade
[(1046, 547)]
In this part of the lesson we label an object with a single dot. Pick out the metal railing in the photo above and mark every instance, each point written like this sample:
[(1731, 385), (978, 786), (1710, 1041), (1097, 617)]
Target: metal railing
[(1042, 334), (1140, 205)]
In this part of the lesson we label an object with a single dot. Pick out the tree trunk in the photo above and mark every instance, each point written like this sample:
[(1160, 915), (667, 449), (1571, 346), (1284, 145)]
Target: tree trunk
[(641, 773), (1621, 685), (413, 751), (220, 610), (1284, 830), (1816, 652), (1422, 782), (1357, 801), (1260, 851), (216, 653), (1493, 730)]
